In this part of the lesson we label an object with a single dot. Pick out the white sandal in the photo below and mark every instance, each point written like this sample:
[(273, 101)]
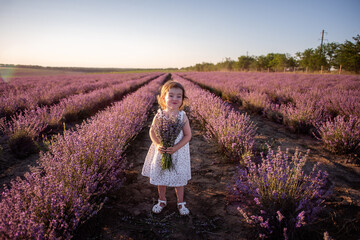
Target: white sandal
[(183, 210), (158, 208)]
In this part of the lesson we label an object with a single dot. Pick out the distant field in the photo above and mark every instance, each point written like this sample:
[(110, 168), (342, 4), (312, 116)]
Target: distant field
[(8, 72)]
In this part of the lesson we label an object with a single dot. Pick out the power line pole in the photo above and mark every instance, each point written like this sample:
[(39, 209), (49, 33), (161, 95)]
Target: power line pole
[(322, 39), (321, 47)]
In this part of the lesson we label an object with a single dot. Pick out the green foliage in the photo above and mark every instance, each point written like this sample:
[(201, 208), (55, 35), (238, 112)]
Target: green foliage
[(278, 62), (244, 62), (204, 67), (330, 55), (227, 64), (312, 59), (348, 55)]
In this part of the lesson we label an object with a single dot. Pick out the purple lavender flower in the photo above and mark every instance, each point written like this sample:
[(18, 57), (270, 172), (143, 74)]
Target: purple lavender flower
[(285, 234), (23, 93), (279, 217), (327, 236), (72, 178), (341, 135), (283, 190), (233, 132), (167, 130), (34, 121), (300, 219), (301, 102)]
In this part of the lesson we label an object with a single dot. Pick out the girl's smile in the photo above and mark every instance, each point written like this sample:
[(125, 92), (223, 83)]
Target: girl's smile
[(174, 98)]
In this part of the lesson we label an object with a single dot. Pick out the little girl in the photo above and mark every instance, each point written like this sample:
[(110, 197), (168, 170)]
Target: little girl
[(171, 101)]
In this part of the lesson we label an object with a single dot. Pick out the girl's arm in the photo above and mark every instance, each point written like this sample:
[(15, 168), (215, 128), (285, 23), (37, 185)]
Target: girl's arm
[(154, 139), (184, 140)]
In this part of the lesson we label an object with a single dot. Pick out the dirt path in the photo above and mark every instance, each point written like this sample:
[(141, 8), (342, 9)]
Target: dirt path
[(10, 166)]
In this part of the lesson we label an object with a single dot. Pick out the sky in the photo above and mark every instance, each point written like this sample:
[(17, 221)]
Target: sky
[(166, 33)]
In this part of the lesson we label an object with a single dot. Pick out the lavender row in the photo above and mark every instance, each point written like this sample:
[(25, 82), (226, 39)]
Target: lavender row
[(32, 122), (28, 93), (305, 103), (19, 85), (81, 166), (276, 197), (335, 95), (234, 132), (40, 93)]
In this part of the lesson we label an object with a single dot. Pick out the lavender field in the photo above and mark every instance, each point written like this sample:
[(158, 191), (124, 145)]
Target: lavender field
[(273, 156), (326, 106)]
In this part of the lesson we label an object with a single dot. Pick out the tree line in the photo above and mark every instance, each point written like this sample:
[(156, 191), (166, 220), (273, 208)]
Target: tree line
[(328, 57)]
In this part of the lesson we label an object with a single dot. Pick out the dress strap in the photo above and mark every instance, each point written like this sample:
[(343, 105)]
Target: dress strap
[(160, 113), (181, 115)]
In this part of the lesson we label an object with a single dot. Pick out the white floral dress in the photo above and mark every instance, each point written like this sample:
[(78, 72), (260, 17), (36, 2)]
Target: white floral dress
[(174, 177)]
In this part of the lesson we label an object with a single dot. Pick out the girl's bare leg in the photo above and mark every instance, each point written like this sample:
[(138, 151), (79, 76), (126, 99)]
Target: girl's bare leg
[(162, 194), (180, 194)]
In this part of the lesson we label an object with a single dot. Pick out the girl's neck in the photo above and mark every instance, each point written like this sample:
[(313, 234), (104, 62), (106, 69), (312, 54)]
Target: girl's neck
[(171, 112)]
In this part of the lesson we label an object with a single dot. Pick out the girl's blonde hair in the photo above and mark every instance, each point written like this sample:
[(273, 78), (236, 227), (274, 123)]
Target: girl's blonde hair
[(166, 88)]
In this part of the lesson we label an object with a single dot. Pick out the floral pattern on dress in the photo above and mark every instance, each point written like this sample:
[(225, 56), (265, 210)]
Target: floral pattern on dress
[(175, 177)]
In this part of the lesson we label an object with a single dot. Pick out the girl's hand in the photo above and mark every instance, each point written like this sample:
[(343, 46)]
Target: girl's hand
[(171, 150), (161, 149)]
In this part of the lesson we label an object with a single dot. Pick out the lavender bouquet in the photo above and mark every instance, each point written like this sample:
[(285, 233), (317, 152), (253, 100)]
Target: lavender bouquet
[(167, 130)]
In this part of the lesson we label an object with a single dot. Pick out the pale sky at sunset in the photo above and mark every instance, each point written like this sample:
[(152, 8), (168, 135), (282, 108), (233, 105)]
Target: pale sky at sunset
[(166, 33)]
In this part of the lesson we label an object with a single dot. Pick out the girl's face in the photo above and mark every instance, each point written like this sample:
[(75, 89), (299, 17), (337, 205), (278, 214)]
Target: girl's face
[(174, 98)]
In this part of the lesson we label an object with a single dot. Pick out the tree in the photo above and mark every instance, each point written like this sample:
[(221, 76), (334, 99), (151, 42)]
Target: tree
[(312, 59), (330, 52), (348, 55), (244, 62), (320, 59), (227, 64), (291, 62), (201, 67), (278, 61), (262, 62)]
